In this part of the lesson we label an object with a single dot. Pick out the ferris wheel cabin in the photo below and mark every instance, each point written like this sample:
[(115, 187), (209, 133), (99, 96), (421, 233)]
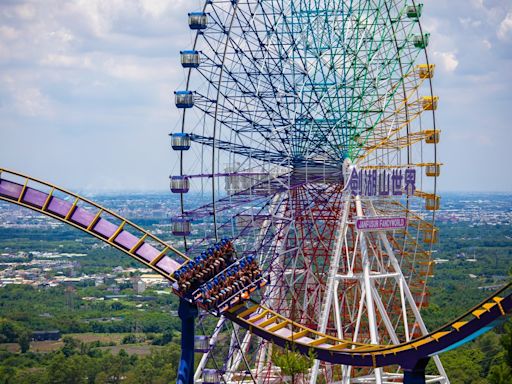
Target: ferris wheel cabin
[(201, 344), (181, 226), (421, 41), (431, 236), (212, 376), (180, 141), (180, 184), (433, 170), (429, 103), (189, 59), (432, 137), (414, 11), (197, 20), (184, 99), (425, 71)]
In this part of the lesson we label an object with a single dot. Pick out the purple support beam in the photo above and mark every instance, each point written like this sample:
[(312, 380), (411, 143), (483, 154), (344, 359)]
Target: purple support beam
[(168, 265), (147, 252), (59, 207), (126, 240), (105, 228), (34, 197), (10, 189), (82, 217)]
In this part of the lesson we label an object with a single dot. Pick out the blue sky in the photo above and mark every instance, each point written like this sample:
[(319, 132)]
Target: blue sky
[(85, 90)]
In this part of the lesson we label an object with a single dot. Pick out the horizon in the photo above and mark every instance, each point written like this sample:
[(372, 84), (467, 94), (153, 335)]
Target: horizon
[(161, 192)]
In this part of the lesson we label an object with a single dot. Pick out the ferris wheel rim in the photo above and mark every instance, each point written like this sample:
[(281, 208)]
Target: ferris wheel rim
[(233, 14)]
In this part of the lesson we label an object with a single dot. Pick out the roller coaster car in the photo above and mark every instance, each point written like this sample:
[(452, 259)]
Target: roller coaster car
[(231, 286), (203, 268)]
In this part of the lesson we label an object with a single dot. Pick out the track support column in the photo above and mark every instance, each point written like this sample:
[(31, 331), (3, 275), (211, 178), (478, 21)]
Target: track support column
[(187, 313), (416, 374)]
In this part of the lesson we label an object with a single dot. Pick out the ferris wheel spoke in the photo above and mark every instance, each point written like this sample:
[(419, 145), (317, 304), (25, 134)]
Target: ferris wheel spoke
[(239, 149), (244, 91)]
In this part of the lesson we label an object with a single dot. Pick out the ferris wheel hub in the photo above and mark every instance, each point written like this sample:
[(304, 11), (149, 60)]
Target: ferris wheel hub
[(315, 171)]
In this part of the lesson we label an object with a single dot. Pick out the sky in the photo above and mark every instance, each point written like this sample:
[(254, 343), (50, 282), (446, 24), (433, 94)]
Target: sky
[(86, 86)]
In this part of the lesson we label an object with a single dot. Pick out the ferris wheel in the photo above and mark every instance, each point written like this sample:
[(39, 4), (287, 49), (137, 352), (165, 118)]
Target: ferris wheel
[(308, 136)]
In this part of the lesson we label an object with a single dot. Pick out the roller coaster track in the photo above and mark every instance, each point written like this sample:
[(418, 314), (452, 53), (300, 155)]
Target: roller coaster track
[(164, 259)]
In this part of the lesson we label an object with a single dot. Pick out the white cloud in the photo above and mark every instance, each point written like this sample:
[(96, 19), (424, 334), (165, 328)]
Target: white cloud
[(155, 7), (32, 102), (128, 69), (447, 60), (26, 11), (468, 22), (67, 61), (63, 35), (8, 33), (479, 4), (505, 27)]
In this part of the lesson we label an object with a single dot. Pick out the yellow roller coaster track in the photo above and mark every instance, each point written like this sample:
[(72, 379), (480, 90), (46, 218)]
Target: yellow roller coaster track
[(164, 259)]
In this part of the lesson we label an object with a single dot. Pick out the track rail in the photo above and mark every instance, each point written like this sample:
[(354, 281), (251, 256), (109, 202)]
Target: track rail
[(164, 259), (91, 218)]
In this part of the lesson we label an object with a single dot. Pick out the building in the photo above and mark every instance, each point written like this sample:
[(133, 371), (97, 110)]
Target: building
[(45, 335)]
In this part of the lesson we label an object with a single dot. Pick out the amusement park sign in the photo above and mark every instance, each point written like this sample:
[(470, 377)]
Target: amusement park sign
[(383, 182), (381, 223)]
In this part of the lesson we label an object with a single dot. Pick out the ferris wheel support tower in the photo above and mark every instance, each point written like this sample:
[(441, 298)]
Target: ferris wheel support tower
[(370, 297)]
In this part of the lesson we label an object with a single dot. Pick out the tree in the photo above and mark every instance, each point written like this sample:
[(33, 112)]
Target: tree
[(14, 332), (506, 342), (464, 365), (70, 346), (500, 374), (143, 373), (490, 345), (29, 376), (24, 341), (7, 374), (130, 339), (116, 366), (165, 339), (291, 362), (8, 331), (71, 370)]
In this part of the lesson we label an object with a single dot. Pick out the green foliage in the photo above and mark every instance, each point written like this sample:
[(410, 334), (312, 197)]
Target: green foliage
[(25, 305), (490, 346), (24, 341), (81, 366), (506, 343), (70, 370), (291, 362), (464, 366), (71, 346), (9, 331), (28, 376), (165, 339), (160, 367), (14, 332), (500, 374), (132, 339), (483, 361)]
